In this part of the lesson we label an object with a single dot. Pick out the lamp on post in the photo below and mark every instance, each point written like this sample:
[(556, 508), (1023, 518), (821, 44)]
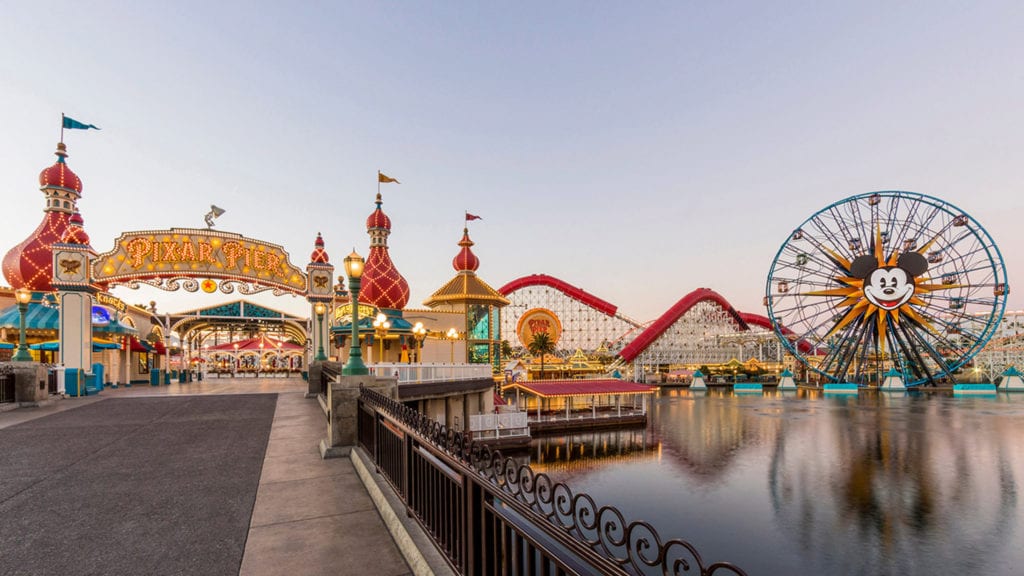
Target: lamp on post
[(23, 296), (452, 335), (354, 270), (419, 333), (381, 325), (320, 309), (236, 358)]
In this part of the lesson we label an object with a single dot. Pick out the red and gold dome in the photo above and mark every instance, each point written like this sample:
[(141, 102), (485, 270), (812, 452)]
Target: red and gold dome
[(465, 259), (75, 234), (59, 175), (378, 219), (30, 263), (382, 285), (319, 255)]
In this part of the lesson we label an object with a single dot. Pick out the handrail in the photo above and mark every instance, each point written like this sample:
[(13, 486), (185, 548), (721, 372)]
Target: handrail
[(488, 514), (423, 373)]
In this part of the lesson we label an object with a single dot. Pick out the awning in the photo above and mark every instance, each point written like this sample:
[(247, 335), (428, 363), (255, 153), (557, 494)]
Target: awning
[(54, 345), (159, 348), (136, 345), (38, 317), (6, 346), (114, 327)]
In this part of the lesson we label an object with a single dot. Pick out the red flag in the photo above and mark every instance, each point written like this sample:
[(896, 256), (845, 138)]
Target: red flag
[(472, 217)]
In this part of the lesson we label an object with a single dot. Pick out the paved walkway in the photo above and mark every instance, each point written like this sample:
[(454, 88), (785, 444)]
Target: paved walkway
[(311, 516)]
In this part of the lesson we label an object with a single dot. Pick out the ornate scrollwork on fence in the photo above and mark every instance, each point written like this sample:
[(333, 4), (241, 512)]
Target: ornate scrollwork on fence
[(636, 547)]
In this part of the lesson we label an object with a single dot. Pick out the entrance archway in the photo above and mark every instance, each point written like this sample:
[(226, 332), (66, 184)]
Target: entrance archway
[(192, 260)]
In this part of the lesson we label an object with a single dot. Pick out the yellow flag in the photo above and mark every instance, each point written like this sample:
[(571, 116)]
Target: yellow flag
[(383, 178)]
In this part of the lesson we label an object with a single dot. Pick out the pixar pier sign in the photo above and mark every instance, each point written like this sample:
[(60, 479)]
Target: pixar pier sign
[(196, 253)]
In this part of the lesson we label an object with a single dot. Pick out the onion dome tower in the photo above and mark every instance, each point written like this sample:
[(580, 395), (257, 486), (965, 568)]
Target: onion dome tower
[(320, 294), (75, 233), (319, 255), (382, 285), (30, 263), (467, 293)]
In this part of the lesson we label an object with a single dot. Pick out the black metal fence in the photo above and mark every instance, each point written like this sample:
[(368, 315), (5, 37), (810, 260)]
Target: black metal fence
[(489, 515)]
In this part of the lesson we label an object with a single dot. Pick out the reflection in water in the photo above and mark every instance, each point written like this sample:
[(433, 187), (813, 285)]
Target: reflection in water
[(579, 453), (796, 482), (913, 486)]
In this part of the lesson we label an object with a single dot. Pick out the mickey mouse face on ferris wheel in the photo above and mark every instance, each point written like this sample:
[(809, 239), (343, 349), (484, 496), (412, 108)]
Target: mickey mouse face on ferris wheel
[(889, 287)]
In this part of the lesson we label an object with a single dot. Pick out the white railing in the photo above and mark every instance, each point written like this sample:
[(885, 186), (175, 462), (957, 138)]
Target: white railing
[(499, 425), (422, 373)]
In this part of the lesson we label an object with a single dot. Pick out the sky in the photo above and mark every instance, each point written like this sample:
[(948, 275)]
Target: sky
[(635, 150)]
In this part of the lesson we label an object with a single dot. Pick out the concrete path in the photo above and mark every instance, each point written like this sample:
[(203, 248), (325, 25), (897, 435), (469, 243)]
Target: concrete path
[(311, 516)]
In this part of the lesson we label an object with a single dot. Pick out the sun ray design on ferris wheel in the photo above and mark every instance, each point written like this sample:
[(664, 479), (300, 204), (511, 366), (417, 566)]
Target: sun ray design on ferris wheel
[(887, 281), (861, 308)]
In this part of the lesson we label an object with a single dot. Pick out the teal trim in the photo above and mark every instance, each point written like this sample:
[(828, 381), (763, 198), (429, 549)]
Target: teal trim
[(974, 387), (233, 310), (786, 374), (747, 386), (1012, 371), (841, 388), (257, 311)]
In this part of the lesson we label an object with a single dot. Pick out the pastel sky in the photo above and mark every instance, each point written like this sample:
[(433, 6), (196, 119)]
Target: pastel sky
[(636, 150)]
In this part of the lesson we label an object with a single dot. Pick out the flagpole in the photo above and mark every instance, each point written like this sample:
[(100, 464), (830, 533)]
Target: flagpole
[(378, 182), (62, 127)]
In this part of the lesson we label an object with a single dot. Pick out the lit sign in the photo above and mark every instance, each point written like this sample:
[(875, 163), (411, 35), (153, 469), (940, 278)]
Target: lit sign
[(111, 301), (196, 253), (538, 320), (343, 313)]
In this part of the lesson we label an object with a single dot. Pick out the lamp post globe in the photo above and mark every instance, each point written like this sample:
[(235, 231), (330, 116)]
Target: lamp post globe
[(381, 325), (419, 333), (452, 335), (23, 296), (320, 309), (354, 269)]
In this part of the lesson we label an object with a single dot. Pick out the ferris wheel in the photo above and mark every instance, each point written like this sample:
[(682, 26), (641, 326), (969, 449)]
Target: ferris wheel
[(887, 281)]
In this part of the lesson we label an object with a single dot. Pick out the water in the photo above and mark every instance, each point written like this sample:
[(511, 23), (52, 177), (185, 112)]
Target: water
[(800, 483)]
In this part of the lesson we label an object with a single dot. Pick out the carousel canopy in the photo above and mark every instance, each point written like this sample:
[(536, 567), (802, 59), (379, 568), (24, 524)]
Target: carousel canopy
[(261, 342)]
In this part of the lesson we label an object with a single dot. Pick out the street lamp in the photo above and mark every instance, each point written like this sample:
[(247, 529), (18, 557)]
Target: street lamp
[(236, 358), (354, 269), (23, 296), (452, 335), (380, 329), (320, 309), (419, 333)]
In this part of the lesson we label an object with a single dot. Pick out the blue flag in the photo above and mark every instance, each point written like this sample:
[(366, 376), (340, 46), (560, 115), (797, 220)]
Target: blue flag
[(72, 123)]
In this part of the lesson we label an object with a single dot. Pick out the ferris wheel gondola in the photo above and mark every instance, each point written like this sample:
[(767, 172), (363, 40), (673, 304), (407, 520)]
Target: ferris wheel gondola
[(887, 281)]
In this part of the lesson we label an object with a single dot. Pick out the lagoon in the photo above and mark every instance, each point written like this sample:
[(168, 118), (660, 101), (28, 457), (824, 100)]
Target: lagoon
[(807, 483)]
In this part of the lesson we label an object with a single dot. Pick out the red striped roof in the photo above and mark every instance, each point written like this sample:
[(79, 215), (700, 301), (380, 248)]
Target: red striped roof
[(550, 388), (563, 287)]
